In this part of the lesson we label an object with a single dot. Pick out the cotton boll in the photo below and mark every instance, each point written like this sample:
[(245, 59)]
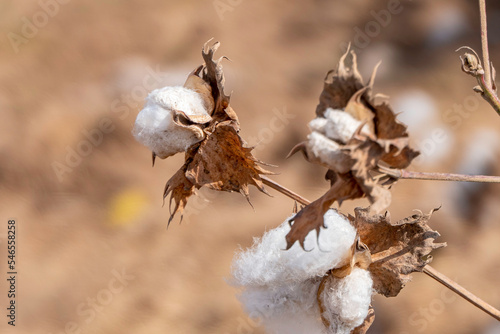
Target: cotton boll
[(155, 128), (327, 152), (347, 300), (341, 126), (268, 263)]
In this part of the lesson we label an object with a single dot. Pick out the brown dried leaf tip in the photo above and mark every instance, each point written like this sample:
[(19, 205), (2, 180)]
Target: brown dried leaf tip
[(352, 135), (216, 156)]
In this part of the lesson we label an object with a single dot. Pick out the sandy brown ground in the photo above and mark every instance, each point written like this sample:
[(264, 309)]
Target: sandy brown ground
[(103, 217)]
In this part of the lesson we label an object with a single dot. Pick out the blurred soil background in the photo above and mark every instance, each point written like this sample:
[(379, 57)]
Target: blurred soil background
[(73, 76)]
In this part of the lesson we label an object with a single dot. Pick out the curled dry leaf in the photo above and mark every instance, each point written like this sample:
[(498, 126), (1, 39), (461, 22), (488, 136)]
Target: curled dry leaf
[(218, 158), (397, 249), (351, 136)]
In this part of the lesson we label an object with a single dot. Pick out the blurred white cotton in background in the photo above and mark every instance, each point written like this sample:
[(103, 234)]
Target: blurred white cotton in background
[(417, 110)]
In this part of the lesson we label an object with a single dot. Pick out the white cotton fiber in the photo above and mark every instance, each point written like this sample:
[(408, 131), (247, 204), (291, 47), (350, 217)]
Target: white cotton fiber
[(347, 300), (154, 126), (327, 152), (268, 263), (276, 300), (280, 286), (341, 126)]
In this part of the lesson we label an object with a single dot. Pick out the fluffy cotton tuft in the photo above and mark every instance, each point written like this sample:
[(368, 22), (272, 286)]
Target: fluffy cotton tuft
[(347, 300), (155, 128), (337, 125), (327, 152), (267, 262), (341, 125), (280, 286)]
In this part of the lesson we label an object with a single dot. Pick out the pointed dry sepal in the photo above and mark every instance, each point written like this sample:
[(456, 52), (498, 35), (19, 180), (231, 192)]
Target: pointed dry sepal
[(180, 189)]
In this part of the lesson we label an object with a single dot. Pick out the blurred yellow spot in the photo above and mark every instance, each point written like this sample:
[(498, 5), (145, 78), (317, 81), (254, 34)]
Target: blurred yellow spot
[(126, 207)]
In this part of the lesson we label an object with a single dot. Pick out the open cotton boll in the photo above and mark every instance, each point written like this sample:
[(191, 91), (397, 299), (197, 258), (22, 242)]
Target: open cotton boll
[(347, 300), (155, 128), (267, 262), (341, 126)]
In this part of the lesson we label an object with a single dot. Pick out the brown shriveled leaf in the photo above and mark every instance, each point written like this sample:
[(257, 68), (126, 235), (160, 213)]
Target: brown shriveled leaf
[(397, 249), (222, 163), (180, 189), (311, 216), (363, 328)]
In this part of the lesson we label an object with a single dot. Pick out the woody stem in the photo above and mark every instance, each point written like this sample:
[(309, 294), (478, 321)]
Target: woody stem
[(404, 174)]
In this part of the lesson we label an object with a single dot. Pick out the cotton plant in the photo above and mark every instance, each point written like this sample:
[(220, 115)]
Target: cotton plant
[(318, 270)]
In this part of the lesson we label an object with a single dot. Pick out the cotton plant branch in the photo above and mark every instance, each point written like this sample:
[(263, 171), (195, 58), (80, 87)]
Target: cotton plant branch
[(428, 270), (471, 65), (404, 174), (484, 41)]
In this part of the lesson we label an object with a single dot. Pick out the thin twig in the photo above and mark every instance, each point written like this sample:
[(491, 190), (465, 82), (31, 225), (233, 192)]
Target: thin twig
[(462, 292), (484, 42), (404, 174), (287, 192), (453, 286)]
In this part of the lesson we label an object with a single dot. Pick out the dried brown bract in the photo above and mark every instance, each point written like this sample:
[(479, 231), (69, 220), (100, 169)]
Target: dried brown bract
[(352, 136), (221, 160), (397, 249)]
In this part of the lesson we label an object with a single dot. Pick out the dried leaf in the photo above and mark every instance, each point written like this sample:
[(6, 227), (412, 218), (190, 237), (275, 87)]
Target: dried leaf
[(311, 216), (397, 249), (180, 189), (222, 163), (363, 328)]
